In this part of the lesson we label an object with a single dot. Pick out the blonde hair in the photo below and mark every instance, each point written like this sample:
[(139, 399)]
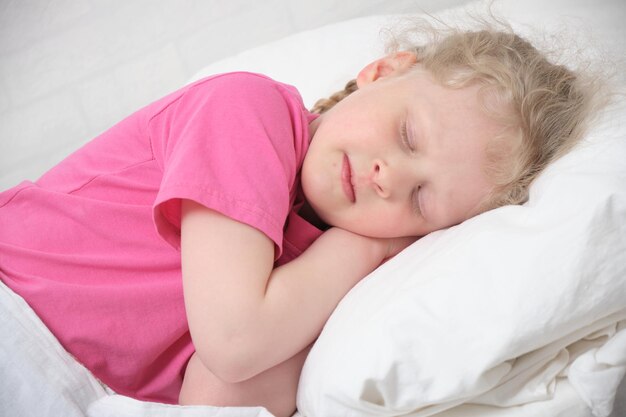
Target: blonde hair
[(547, 107), (324, 104)]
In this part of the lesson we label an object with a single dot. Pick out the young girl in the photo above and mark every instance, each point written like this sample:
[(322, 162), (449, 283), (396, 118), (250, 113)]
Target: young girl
[(194, 251)]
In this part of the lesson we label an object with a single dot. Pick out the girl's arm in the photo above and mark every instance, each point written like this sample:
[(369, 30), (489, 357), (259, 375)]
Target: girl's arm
[(245, 317), (275, 388)]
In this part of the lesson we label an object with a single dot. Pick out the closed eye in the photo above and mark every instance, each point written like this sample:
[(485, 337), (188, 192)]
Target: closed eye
[(408, 144), (415, 202)]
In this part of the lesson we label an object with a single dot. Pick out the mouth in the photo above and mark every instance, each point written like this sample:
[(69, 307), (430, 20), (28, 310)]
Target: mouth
[(346, 179)]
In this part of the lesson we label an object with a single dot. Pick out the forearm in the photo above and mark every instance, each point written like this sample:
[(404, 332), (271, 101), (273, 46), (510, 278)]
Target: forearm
[(301, 295), (274, 389), (244, 316)]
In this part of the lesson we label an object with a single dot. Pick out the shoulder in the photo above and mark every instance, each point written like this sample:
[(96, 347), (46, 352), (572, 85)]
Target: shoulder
[(234, 86)]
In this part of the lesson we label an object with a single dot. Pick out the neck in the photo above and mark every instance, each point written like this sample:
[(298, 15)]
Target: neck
[(308, 214)]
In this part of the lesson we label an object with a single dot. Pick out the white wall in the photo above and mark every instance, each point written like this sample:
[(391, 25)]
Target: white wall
[(71, 68)]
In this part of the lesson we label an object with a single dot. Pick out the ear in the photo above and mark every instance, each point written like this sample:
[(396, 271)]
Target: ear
[(385, 67)]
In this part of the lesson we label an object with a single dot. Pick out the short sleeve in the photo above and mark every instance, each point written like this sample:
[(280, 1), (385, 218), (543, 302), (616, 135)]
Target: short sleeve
[(228, 143)]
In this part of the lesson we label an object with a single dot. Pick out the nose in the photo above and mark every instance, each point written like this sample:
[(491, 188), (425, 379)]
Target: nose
[(396, 178), (381, 178)]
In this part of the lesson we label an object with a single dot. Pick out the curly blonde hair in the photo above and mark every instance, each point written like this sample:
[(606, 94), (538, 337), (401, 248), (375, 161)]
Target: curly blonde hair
[(545, 108)]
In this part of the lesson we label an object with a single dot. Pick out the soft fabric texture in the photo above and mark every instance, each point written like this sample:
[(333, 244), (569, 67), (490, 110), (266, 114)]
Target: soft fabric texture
[(93, 246), (597, 373)]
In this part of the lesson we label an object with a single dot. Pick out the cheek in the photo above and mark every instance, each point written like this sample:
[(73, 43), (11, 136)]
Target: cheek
[(312, 183), (387, 222)]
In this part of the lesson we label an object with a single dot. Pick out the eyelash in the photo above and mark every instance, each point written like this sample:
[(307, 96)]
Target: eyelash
[(405, 137), (415, 201)]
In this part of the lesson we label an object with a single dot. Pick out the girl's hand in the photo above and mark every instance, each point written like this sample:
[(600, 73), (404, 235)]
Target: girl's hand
[(382, 249)]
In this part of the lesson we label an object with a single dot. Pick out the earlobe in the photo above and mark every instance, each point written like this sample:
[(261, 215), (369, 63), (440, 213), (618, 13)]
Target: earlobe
[(385, 67)]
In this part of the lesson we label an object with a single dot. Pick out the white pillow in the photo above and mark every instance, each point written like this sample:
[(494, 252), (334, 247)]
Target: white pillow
[(481, 312)]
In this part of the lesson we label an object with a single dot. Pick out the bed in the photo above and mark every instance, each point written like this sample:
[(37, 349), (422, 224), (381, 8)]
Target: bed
[(518, 312)]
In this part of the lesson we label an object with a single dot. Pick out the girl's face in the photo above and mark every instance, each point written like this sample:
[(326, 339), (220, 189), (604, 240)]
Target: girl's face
[(401, 156)]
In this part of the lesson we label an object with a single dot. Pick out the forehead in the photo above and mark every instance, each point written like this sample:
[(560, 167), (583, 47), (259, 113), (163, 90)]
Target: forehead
[(449, 119)]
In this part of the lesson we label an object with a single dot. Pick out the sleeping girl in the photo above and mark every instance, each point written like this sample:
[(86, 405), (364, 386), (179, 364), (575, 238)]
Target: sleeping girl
[(193, 252)]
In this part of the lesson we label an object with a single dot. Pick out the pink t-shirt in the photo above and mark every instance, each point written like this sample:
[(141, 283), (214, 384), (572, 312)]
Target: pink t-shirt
[(94, 245)]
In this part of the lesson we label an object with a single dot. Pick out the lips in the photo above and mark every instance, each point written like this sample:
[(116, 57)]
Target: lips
[(346, 179)]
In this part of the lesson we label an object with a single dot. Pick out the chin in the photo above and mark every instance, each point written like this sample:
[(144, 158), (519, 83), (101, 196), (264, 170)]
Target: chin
[(365, 231)]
